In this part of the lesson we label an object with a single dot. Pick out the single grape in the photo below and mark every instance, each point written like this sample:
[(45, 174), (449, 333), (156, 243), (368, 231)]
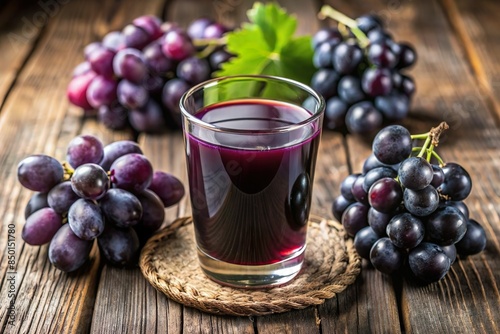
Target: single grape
[(392, 144), (121, 208), (346, 57), (378, 36), (376, 82), (446, 226), (335, 113), (196, 29), (136, 37), (407, 86), (168, 188), (386, 257), (67, 252), (90, 48), (340, 203), (385, 195), (153, 211), (394, 107), (451, 252), (114, 116), (77, 89), (415, 173), (90, 181), (156, 60), (405, 231), (101, 91), (364, 240), (41, 226), (118, 149), (132, 96), (428, 262), (363, 117), (150, 24), (346, 186), (84, 149), (474, 240), (130, 64), (323, 53), (349, 89), (354, 218), (217, 58), (381, 55), (372, 162), (37, 201), (114, 41), (379, 221), (407, 56), (81, 69), (119, 247), (461, 206), (148, 119), (85, 219), (171, 95), (193, 70), (325, 81), (39, 172), (214, 31), (101, 61), (437, 176), (376, 174), (421, 202), (358, 191), (457, 183), (132, 172), (368, 22), (329, 34), (61, 197), (177, 45)]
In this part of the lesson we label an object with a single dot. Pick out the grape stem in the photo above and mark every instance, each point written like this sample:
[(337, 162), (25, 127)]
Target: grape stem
[(68, 171), (328, 11), (208, 45), (431, 141)]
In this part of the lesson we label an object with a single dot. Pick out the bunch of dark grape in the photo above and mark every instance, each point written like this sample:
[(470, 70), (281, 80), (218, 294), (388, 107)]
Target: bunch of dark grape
[(361, 74), (137, 76), (403, 210), (106, 193)]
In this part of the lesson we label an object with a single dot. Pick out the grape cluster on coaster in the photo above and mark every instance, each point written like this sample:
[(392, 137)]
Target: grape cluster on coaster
[(407, 206), (137, 76), (106, 193), (361, 74)]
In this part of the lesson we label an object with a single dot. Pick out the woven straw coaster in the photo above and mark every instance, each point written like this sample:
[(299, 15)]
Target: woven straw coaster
[(169, 262)]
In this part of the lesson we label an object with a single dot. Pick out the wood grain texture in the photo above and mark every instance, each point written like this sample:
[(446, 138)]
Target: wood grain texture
[(21, 25), (477, 29)]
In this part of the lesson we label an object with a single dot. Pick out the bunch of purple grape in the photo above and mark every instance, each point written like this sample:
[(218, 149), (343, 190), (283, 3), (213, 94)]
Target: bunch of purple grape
[(403, 210), (361, 75), (137, 76), (78, 201)]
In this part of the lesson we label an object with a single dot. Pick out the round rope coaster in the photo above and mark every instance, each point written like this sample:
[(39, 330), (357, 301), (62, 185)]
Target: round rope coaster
[(169, 262)]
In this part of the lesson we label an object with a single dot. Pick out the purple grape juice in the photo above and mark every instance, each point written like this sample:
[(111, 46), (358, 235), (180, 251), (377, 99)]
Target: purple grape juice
[(251, 190)]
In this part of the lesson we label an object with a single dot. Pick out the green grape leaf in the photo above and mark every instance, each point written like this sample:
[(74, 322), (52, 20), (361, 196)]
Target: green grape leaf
[(266, 45)]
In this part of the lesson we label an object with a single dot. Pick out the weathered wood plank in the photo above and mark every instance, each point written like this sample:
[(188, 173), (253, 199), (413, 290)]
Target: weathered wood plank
[(476, 28), (21, 23)]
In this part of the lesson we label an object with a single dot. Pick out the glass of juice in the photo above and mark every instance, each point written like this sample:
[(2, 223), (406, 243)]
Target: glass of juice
[(251, 144)]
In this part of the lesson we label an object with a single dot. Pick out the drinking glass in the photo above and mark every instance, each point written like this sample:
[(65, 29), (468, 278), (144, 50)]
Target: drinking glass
[(251, 144)]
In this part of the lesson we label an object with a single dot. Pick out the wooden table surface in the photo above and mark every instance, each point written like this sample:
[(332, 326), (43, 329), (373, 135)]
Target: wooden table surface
[(458, 80)]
